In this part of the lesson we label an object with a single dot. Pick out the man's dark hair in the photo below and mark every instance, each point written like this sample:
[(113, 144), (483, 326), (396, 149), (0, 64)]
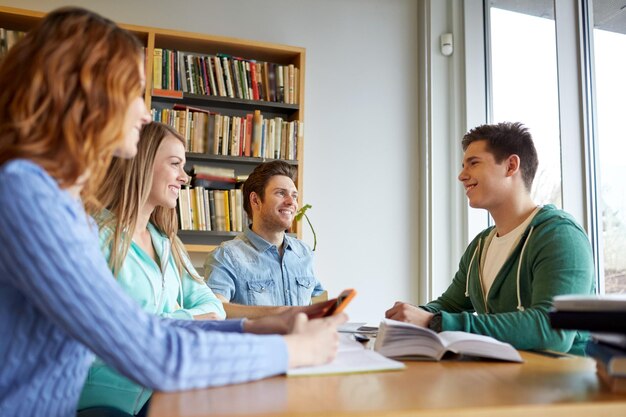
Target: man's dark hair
[(258, 179), (506, 139)]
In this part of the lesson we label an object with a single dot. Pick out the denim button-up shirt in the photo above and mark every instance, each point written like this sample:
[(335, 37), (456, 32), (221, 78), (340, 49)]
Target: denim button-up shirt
[(248, 270)]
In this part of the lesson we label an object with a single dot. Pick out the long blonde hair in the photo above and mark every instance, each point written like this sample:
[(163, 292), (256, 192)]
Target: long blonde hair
[(65, 89), (126, 189)]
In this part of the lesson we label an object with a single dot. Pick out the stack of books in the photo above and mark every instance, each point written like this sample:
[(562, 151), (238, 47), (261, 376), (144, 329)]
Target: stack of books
[(605, 317)]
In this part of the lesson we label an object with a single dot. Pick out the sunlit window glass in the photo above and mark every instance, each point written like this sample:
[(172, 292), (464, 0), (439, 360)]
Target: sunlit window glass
[(524, 83), (610, 89)]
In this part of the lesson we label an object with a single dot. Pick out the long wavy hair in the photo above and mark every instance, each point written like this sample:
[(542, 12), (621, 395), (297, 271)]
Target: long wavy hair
[(126, 189), (65, 89)]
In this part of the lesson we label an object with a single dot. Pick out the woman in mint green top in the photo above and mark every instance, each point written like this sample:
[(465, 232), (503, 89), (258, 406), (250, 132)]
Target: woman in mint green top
[(138, 237)]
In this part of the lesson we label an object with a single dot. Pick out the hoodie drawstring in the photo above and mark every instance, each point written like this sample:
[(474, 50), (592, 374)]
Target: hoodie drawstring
[(520, 307), (470, 268)]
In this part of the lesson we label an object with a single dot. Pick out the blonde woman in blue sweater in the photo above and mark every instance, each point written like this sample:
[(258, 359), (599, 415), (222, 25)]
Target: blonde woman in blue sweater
[(138, 237), (71, 97)]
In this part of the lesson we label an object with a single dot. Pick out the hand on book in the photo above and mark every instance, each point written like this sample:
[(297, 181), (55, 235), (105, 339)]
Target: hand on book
[(409, 313), (313, 342)]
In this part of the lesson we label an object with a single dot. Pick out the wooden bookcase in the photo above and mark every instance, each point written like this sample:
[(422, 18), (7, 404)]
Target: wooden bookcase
[(197, 241)]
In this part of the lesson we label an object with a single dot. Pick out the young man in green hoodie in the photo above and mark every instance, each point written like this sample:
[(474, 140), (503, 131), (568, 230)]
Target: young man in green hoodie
[(510, 272)]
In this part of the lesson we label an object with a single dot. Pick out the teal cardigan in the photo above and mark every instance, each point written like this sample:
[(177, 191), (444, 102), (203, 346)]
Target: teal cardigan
[(160, 290)]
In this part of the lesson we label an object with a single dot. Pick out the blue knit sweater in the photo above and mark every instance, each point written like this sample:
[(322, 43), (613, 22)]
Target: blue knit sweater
[(59, 305)]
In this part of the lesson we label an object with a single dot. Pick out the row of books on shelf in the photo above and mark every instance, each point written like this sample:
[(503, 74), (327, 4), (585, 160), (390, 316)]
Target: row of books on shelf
[(211, 210), (219, 134), (8, 38), (225, 76), (605, 317)]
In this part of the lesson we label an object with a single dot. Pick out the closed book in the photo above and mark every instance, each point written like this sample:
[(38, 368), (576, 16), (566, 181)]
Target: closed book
[(157, 72), (217, 135), (195, 222), (207, 211), (278, 126), (190, 76), (249, 80), (613, 383), (235, 136), (228, 76), (404, 340), (257, 133), (181, 76), (613, 339), (247, 149), (210, 134), (599, 321), (212, 209), (211, 171), (271, 76), (271, 139), (280, 84), (185, 208), (218, 197), (226, 201), (613, 358), (238, 82), (208, 62), (604, 302), (205, 76), (290, 83), (239, 209), (219, 76), (213, 185), (232, 205), (200, 214), (255, 81), (226, 125)]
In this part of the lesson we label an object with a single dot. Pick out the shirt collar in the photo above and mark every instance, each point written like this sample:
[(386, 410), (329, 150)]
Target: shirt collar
[(261, 244)]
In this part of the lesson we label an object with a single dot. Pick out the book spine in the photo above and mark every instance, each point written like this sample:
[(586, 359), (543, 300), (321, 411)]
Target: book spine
[(157, 71), (219, 76), (228, 77), (255, 80), (249, 80), (209, 69), (226, 211), (248, 147), (207, 210), (212, 210), (257, 132)]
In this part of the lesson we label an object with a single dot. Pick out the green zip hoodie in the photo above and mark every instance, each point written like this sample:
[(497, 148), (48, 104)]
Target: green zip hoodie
[(553, 257)]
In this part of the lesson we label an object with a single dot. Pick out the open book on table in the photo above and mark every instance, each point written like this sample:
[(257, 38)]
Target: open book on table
[(408, 341), (352, 357)]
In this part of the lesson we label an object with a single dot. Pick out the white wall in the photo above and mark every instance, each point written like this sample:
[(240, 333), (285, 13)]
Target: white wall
[(360, 167)]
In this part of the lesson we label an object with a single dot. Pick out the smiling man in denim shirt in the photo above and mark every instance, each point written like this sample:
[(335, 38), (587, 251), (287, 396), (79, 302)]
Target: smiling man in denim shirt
[(263, 270)]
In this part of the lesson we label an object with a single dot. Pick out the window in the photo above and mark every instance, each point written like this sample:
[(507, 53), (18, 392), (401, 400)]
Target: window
[(609, 58), (524, 83), (529, 67)]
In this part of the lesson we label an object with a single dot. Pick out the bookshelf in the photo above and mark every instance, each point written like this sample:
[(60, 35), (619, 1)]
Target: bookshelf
[(209, 45)]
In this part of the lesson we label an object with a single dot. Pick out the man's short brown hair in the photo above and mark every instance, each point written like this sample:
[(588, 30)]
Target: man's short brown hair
[(504, 140)]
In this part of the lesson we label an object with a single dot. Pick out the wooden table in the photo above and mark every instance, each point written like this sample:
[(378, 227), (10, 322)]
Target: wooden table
[(542, 386)]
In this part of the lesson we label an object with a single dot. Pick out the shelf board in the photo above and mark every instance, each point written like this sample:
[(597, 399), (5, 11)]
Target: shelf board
[(199, 248), (203, 157), (227, 103), (199, 233)]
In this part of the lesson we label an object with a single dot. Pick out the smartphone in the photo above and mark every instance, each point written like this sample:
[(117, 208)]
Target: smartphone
[(340, 302)]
